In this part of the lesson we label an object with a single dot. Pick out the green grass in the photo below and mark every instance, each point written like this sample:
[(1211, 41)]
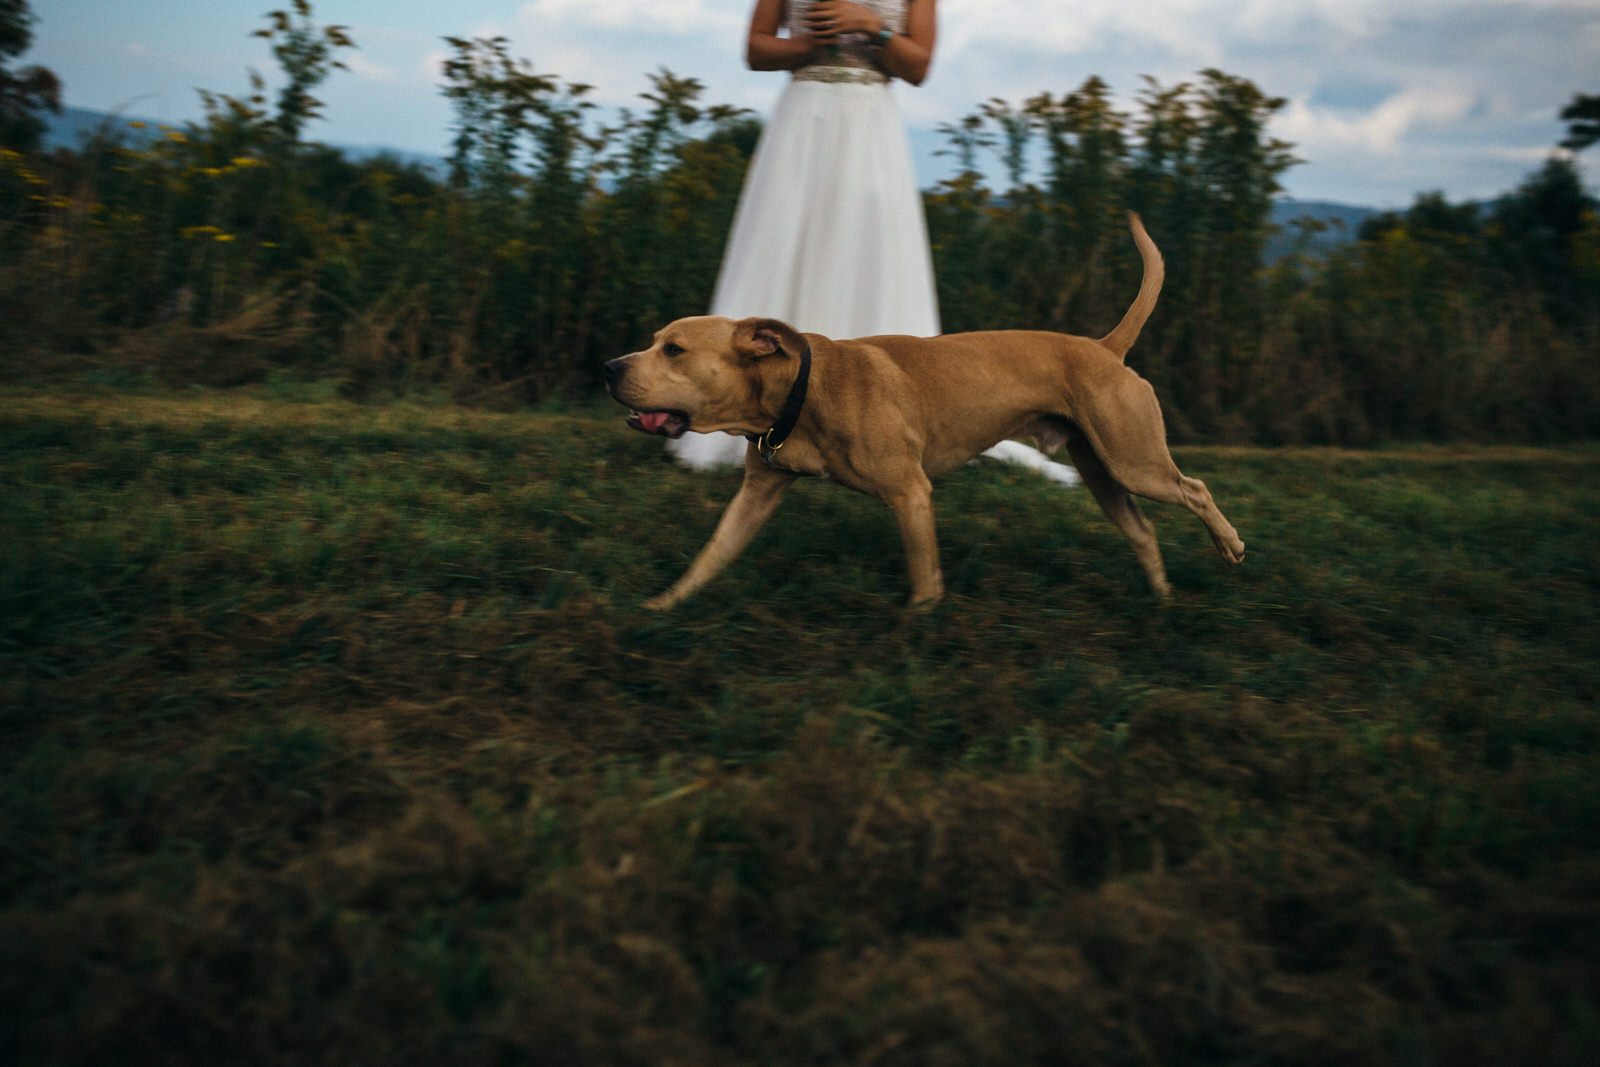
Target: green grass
[(335, 733)]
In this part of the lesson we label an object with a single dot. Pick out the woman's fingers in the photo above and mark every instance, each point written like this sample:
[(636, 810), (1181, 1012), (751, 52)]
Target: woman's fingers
[(831, 18), (822, 20)]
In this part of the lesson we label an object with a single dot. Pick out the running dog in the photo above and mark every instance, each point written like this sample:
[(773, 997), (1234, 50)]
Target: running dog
[(886, 415)]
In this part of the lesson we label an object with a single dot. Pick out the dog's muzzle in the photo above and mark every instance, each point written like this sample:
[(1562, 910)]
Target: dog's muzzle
[(615, 370), (663, 423)]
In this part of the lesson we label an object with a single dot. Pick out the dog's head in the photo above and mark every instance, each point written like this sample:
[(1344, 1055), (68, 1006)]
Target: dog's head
[(706, 374)]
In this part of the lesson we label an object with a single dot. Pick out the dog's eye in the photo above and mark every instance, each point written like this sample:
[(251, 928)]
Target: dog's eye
[(672, 350)]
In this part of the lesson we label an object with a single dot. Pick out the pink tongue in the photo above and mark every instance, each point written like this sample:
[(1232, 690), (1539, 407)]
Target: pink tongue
[(653, 420)]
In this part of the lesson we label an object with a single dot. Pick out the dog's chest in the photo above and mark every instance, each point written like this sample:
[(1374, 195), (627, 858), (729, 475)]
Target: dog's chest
[(798, 457)]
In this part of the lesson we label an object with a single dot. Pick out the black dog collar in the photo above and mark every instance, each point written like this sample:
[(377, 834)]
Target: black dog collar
[(773, 439)]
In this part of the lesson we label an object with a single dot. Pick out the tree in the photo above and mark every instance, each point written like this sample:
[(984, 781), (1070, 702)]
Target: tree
[(1016, 126), (1583, 122), (1534, 226), (1434, 217), (305, 52), (495, 98), (1211, 168), (966, 137), (25, 92)]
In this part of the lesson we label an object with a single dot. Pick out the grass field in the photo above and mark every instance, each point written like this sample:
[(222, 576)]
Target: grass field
[(334, 734)]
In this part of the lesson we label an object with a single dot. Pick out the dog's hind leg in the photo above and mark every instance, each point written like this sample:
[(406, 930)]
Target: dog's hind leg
[(1123, 423), (749, 510), (1123, 510)]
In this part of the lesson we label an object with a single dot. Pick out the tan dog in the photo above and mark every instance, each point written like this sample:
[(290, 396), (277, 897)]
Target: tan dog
[(885, 415)]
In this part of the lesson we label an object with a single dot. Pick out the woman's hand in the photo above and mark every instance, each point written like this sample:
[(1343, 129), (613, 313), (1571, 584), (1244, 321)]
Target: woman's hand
[(906, 55), (828, 20)]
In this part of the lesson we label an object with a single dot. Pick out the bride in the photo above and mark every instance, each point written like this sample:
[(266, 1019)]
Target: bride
[(829, 234)]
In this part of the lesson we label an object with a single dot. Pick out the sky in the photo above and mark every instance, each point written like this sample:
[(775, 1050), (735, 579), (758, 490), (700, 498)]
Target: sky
[(1385, 99)]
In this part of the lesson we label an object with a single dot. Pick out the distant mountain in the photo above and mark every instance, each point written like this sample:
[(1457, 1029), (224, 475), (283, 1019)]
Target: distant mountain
[(1342, 222), (75, 125)]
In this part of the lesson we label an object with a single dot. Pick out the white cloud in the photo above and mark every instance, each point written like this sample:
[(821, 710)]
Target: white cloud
[(1205, 30), (613, 44), (678, 17), (431, 65), (367, 70), (1202, 29), (1527, 158), (1381, 129), (1387, 96)]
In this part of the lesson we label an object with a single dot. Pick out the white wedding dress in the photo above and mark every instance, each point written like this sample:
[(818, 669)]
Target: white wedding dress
[(829, 234)]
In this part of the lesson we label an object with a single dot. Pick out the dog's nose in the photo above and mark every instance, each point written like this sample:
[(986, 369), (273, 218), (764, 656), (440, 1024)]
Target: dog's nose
[(615, 369)]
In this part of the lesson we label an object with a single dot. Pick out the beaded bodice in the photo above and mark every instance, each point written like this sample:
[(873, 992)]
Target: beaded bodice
[(856, 51)]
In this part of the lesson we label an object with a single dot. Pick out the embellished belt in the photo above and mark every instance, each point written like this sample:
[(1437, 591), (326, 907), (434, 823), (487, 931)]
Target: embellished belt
[(850, 75)]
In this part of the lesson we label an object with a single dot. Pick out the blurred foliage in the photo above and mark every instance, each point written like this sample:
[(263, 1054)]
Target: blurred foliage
[(564, 234), (27, 91), (1450, 321), (1582, 117), (304, 52), (220, 250)]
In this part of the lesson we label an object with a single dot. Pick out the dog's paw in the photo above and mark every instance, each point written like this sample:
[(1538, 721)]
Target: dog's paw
[(660, 603), (1232, 554), (1229, 547)]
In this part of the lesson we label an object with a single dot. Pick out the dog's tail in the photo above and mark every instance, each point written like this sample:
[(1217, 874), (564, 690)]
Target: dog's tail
[(1121, 339)]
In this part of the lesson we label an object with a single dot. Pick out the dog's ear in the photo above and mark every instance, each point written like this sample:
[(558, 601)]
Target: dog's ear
[(759, 338)]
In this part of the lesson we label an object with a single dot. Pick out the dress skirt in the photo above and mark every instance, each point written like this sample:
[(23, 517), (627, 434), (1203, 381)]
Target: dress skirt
[(829, 235)]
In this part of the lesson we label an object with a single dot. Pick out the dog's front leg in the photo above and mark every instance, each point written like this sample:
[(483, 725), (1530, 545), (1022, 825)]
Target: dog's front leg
[(912, 504), (749, 510)]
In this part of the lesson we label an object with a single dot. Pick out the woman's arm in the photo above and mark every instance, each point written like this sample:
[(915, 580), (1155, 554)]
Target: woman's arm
[(765, 50), (905, 55)]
